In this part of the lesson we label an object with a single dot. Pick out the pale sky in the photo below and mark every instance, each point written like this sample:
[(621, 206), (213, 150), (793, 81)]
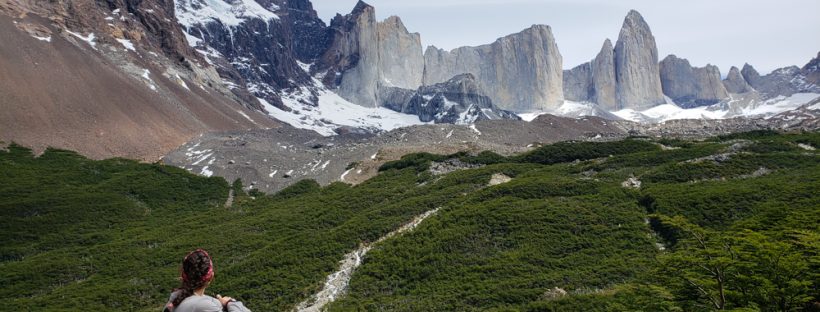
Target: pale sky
[(768, 34)]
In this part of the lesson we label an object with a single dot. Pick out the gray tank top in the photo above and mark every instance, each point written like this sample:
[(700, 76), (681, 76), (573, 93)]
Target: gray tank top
[(207, 304)]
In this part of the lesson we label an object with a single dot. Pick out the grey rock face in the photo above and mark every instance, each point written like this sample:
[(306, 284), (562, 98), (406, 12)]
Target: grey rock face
[(460, 100), (735, 83), (401, 63), (357, 72), (812, 70), (636, 65), (604, 81), (751, 75), (520, 72), (691, 86), (578, 83), (366, 55)]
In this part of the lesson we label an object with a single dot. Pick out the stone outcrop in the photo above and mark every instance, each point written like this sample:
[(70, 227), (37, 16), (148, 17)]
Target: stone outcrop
[(366, 55), (735, 83), (459, 100), (636, 65), (520, 72), (691, 86)]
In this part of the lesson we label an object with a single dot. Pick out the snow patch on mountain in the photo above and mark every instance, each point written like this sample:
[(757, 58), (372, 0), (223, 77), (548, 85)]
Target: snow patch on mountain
[(571, 109), (228, 12), (765, 109), (89, 38), (127, 44), (46, 39), (780, 104), (333, 111), (671, 111)]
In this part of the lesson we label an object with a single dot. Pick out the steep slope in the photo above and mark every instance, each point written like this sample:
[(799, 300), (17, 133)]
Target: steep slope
[(108, 80), (521, 72)]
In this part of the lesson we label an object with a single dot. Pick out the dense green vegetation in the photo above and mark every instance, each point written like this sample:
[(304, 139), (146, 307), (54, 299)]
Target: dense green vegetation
[(737, 231)]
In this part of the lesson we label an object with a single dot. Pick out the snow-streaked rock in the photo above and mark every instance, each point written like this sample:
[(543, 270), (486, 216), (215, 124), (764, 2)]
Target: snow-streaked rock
[(229, 13)]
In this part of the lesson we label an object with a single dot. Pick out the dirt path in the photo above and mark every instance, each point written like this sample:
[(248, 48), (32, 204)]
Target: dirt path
[(337, 283), (229, 202)]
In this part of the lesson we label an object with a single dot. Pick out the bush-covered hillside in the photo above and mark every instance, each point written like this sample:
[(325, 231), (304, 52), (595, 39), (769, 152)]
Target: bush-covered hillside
[(726, 223)]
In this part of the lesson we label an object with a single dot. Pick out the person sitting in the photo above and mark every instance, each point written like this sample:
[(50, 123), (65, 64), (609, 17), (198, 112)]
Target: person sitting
[(197, 273)]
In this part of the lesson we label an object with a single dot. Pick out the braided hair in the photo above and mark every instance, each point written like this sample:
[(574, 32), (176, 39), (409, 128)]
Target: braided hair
[(196, 272)]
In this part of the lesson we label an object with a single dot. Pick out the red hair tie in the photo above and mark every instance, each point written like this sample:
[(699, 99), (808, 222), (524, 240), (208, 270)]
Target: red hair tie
[(205, 278)]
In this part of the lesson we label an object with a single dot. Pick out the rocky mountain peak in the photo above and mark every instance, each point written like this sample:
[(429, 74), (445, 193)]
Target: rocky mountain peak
[(362, 8), (735, 83), (634, 20), (636, 65), (812, 70), (396, 22), (603, 78), (607, 47), (751, 75)]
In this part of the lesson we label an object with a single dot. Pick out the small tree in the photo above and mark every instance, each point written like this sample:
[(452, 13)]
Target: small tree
[(746, 269)]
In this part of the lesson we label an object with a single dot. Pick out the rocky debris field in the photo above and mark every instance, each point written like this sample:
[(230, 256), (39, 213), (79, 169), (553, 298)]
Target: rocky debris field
[(270, 160)]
